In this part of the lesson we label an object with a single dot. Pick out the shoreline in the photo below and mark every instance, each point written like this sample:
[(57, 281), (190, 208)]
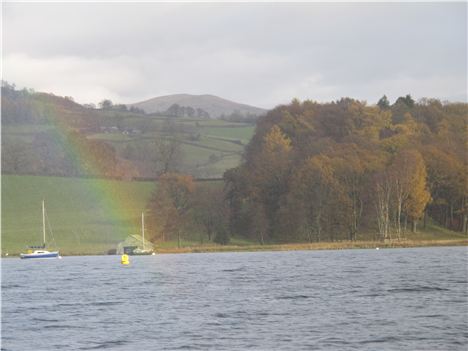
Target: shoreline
[(338, 245)]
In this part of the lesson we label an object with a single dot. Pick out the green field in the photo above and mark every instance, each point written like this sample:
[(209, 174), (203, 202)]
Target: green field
[(243, 134), (86, 216), (77, 210), (209, 147)]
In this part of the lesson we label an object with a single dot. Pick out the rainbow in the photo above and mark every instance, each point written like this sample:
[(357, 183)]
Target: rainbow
[(114, 200)]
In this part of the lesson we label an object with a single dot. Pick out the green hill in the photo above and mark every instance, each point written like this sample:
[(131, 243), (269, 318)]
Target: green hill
[(40, 134)]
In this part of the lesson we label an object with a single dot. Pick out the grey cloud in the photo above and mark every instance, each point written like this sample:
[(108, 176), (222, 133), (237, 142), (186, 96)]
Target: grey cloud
[(262, 54)]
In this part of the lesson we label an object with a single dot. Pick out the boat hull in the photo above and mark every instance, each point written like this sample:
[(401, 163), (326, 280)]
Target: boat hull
[(40, 255), (141, 253)]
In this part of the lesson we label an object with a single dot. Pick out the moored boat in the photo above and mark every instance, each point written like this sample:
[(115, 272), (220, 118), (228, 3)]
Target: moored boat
[(40, 254), (40, 251), (142, 251)]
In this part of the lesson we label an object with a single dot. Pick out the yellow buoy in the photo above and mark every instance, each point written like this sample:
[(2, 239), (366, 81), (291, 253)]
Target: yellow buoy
[(124, 259)]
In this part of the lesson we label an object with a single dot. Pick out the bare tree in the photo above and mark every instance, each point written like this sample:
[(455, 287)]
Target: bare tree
[(382, 197), (168, 155)]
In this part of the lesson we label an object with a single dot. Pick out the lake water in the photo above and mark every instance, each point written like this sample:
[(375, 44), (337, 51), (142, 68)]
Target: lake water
[(394, 299)]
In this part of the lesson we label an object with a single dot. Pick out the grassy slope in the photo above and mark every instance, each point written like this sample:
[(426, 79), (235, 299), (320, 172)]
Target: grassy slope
[(242, 133), (224, 139), (76, 212)]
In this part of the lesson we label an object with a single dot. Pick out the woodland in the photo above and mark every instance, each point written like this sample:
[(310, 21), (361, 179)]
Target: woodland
[(334, 171)]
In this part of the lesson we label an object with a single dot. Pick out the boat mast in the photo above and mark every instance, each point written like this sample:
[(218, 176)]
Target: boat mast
[(43, 223), (143, 228)]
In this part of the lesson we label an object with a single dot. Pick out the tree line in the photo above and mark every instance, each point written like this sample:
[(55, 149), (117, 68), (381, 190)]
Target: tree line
[(343, 170), (337, 170)]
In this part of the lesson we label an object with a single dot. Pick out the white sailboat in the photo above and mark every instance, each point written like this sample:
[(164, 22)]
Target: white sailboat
[(142, 251), (40, 251)]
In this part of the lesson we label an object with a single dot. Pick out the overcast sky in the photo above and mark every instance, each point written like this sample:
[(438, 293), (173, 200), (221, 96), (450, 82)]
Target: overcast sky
[(261, 54)]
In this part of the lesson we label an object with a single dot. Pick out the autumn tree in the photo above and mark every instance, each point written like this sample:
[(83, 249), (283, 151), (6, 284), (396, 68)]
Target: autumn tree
[(315, 180), (405, 100), (170, 204), (101, 157), (383, 103), (236, 195), (126, 170), (447, 182), (269, 175), (210, 210), (418, 196), (353, 168)]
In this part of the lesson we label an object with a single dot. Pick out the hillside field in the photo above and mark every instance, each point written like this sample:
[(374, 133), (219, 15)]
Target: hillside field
[(76, 210), (209, 147), (78, 213)]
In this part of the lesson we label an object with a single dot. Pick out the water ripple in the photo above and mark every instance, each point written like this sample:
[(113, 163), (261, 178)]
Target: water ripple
[(408, 299)]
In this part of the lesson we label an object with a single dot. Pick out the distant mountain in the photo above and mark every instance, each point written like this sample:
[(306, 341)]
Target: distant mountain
[(214, 105)]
